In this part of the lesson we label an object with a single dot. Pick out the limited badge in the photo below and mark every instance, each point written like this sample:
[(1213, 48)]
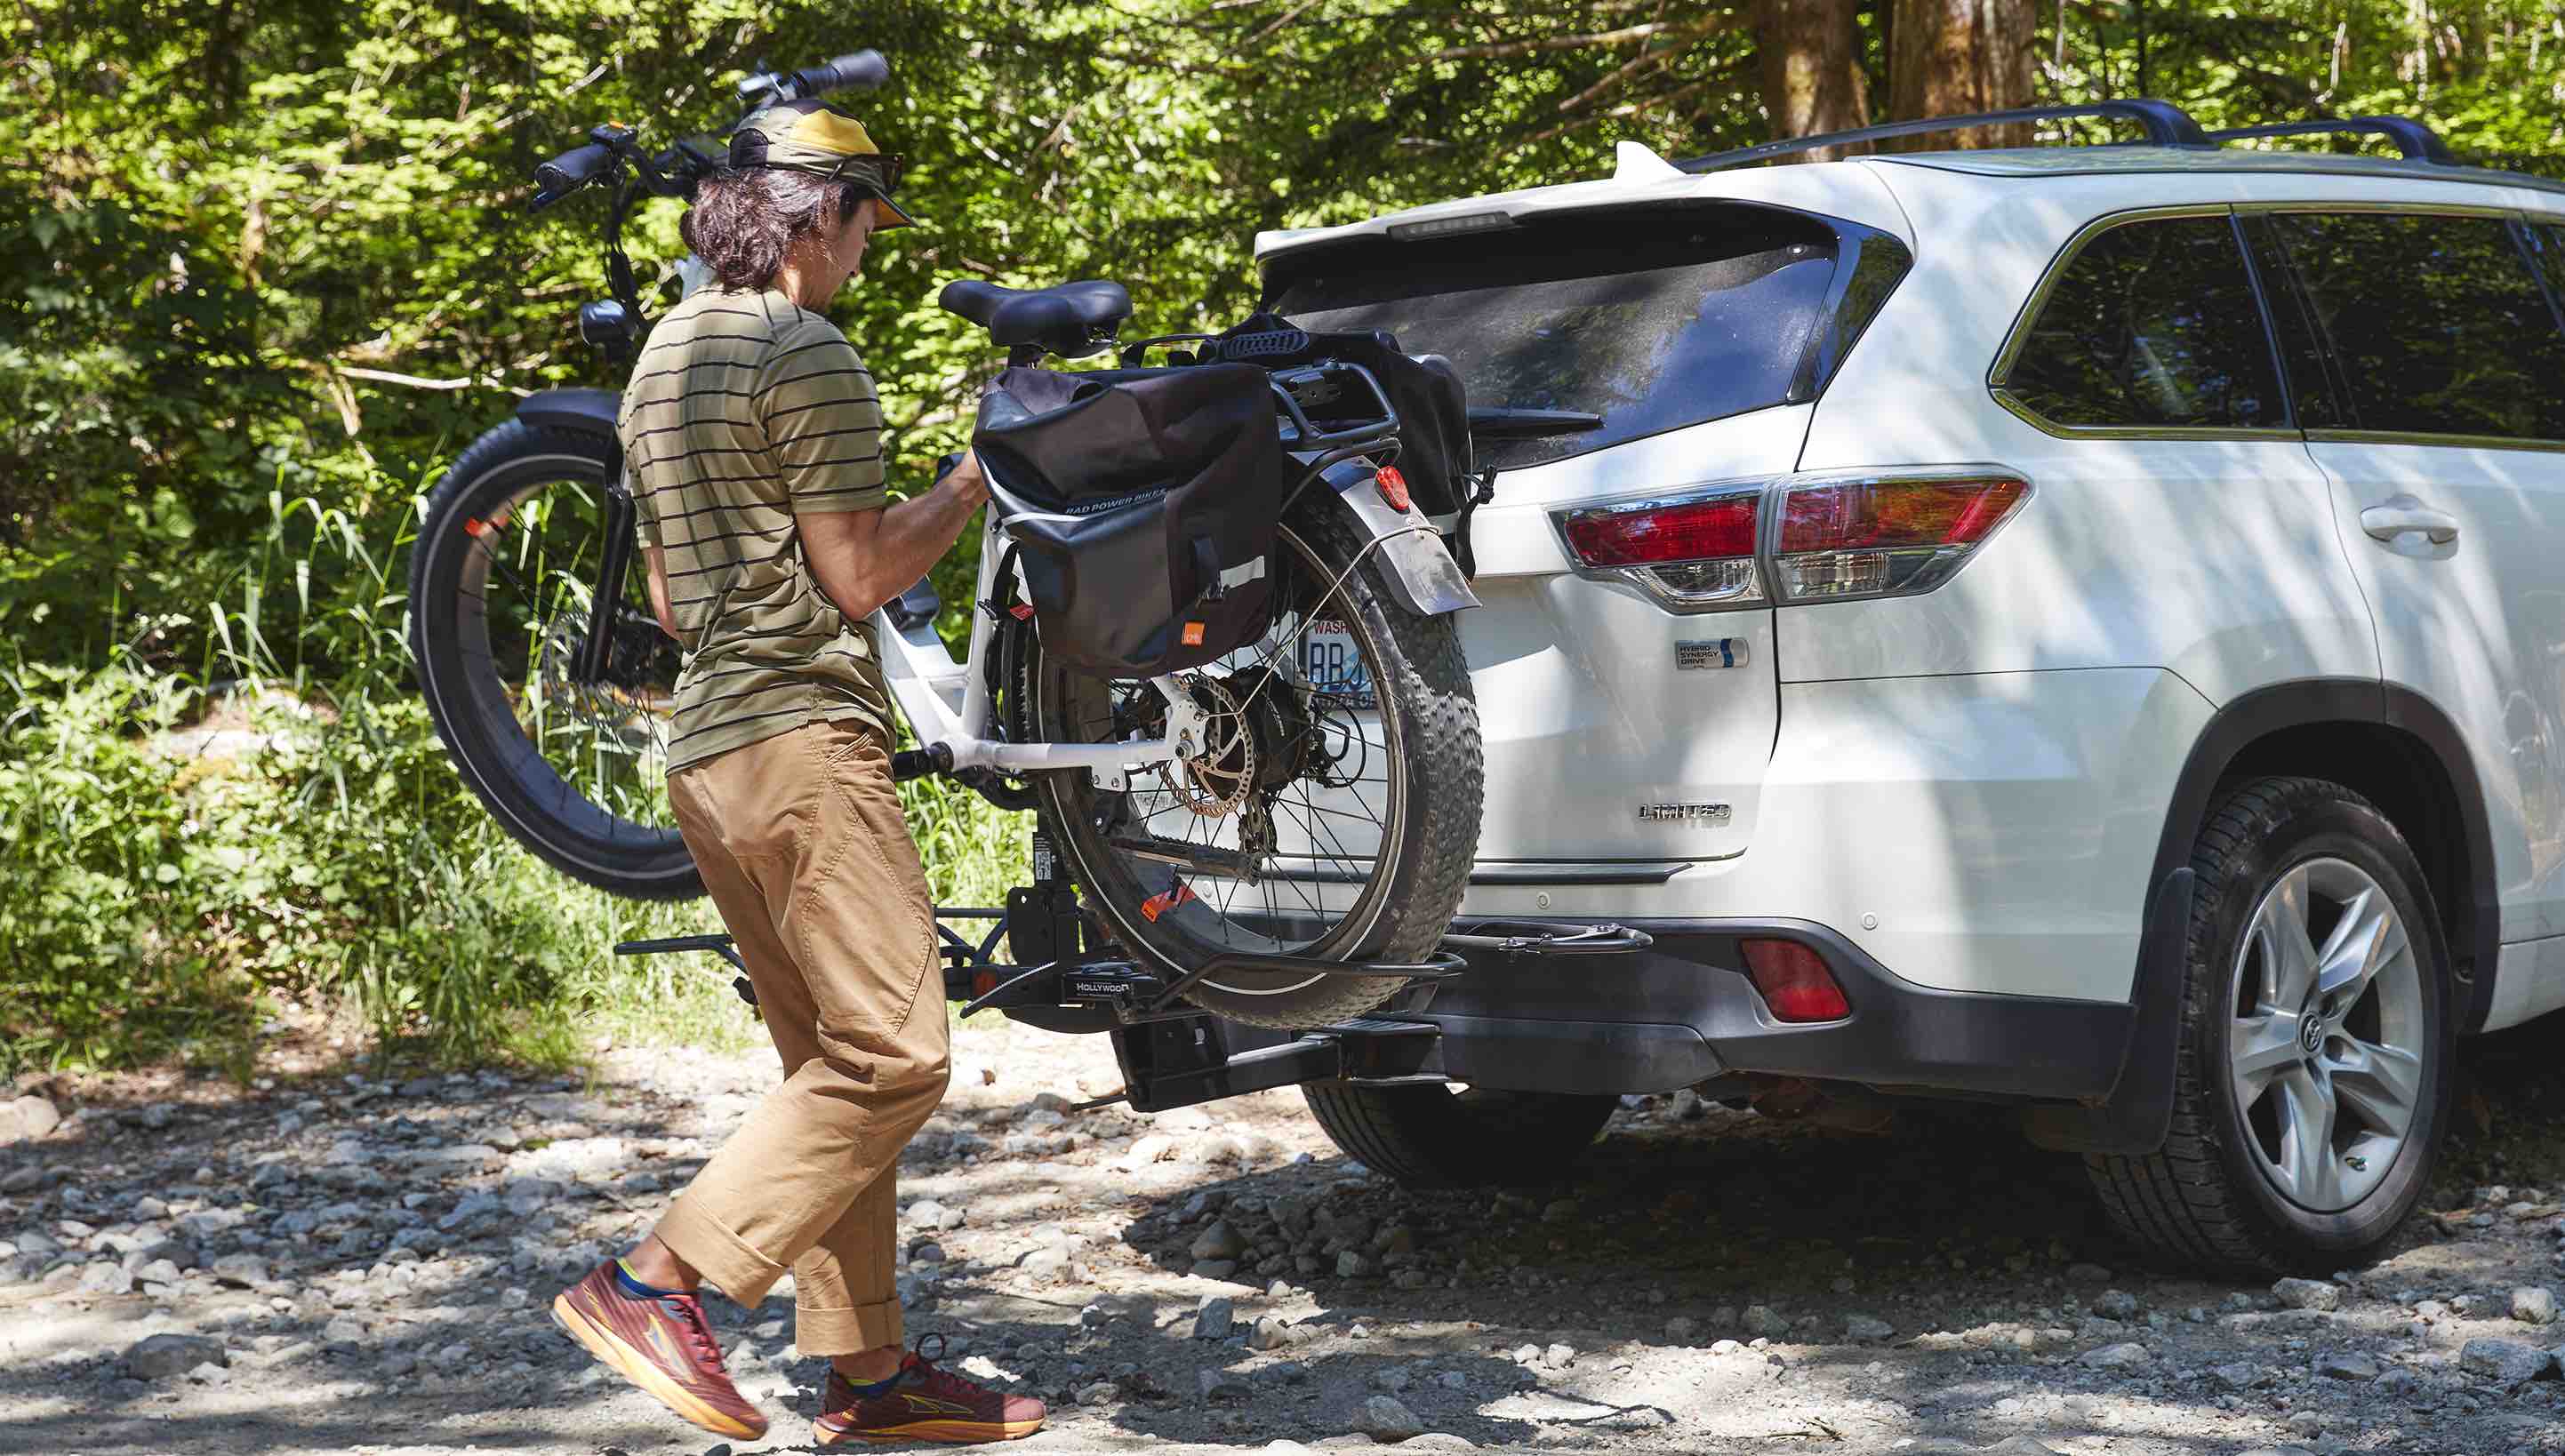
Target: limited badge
[(1708, 814), (1726, 652)]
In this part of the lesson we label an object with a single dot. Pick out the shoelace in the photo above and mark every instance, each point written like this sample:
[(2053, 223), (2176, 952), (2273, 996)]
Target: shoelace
[(699, 1335)]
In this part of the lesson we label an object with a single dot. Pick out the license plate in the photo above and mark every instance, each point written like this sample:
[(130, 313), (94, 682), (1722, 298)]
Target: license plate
[(1330, 663)]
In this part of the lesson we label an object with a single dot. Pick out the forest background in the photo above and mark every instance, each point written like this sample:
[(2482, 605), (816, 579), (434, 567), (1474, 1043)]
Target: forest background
[(266, 266)]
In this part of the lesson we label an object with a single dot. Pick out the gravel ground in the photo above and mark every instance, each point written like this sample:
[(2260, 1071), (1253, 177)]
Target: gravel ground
[(331, 1263)]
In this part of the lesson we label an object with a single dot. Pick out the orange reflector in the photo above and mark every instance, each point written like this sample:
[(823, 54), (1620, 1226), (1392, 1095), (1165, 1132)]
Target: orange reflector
[(474, 526), (1193, 634), (1158, 904), (1022, 611), (983, 982), (1393, 489)]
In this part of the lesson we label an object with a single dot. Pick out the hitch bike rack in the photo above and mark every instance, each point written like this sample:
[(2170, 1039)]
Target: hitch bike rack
[(1072, 979)]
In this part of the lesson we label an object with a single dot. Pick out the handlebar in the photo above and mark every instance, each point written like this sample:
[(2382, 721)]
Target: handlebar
[(574, 168)]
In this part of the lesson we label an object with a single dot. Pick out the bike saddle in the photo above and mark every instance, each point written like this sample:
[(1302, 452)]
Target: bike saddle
[(1069, 318)]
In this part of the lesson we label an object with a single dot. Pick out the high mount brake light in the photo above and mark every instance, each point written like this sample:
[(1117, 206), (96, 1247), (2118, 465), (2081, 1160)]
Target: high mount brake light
[(1794, 538)]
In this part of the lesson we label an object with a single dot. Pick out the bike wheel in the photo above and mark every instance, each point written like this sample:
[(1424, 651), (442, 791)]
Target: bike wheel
[(1332, 813), (573, 764)]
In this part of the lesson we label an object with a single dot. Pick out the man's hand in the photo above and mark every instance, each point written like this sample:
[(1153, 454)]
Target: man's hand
[(863, 559)]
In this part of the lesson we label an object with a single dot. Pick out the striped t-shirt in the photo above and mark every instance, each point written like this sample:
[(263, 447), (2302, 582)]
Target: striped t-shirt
[(744, 410)]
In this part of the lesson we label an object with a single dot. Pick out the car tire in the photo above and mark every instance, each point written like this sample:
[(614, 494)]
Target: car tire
[(1429, 1136), (2312, 1074)]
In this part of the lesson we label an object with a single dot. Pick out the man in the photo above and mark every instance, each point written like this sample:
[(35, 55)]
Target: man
[(752, 444)]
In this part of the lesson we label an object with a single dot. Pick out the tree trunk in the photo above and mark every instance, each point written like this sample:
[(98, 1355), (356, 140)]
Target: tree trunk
[(1953, 57), (1809, 53)]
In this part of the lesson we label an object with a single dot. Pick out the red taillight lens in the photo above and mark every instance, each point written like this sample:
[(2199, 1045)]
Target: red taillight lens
[(1896, 514), (1693, 531), (1884, 537), (1692, 555), (1794, 981)]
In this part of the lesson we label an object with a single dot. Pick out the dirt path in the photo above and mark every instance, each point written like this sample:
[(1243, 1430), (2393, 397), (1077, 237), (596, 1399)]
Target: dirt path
[(363, 1266)]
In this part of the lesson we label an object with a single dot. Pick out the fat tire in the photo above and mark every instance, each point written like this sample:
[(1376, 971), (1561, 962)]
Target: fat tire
[(1445, 783), (2195, 1202), (1427, 1136), (435, 572)]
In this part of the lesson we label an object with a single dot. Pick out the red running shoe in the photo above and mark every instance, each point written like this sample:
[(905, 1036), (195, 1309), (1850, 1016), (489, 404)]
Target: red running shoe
[(660, 1343), (927, 1405)]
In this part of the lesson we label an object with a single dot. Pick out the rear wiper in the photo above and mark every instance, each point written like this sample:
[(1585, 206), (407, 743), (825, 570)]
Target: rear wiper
[(1497, 422)]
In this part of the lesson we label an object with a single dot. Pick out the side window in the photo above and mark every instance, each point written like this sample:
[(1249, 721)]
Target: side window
[(2152, 324), (2437, 324)]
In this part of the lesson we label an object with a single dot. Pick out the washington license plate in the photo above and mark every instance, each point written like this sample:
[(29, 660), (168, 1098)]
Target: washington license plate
[(1333, 665)]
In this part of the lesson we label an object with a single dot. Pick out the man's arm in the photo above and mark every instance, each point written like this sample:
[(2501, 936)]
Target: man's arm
[(658, 559), (863, 559)]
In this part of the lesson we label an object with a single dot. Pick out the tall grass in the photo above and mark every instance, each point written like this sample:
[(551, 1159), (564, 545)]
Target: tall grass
[(190, 852)]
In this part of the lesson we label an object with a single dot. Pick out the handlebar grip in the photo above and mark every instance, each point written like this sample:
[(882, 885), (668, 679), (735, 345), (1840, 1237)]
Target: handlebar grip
[(856, 70), (573, 170)]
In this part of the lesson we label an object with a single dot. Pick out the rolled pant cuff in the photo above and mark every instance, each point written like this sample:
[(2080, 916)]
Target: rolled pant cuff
[(847, 1330), (725, 1260)]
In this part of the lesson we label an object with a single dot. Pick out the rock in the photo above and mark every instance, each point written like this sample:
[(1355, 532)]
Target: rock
[(1220, 1241), (1099, 1393), (1385, 1420), (1280, 1372), (2509, 1362), (1682, 1326), (1156, 1148), (1557, 1357), (2116, 1356), (107, 1279), (2533, 1305), (1352, 1265), (1222, 1385), (1862, 1328), (2350, 1366), (2308, 1294), (2238, 1375), (1215, 1318), (1215, 1269), (929, 1214), (2087, 1274), (158, 1356), (28, 1118), (2116, 1303), (1052, 1262), (242, 1271), (1764, 1320), (1268, 1332)]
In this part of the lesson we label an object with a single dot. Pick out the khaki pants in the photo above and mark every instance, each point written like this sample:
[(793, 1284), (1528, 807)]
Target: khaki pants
[(805, 851)]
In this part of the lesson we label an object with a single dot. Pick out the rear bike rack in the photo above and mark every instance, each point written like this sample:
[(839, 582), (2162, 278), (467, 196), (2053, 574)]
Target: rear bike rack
[(1174, 1054)]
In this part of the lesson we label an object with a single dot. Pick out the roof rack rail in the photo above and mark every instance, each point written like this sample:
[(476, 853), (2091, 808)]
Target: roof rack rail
[(2166, 124), (2417, 140)]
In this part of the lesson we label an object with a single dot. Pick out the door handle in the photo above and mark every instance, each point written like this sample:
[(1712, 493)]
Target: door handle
[(2405, 513)]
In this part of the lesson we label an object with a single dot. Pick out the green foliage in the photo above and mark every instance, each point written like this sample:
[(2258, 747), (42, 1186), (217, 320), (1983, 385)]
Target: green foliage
[(263, 268)]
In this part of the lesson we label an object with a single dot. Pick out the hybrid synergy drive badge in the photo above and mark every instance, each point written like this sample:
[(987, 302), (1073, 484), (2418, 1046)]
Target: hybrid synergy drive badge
[(1726, 652)]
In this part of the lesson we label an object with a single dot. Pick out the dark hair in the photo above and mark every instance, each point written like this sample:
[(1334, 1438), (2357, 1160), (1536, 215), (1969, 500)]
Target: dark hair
[(743, 221)]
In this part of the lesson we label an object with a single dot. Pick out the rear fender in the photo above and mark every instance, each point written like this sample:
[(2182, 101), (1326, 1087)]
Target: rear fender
[(591, 411), (1420, 570)]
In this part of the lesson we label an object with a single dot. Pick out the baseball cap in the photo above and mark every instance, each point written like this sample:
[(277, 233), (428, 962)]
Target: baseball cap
[(816, 137)]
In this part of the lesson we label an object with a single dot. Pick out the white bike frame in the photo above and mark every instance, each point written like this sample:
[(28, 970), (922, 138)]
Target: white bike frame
[(947, 702)]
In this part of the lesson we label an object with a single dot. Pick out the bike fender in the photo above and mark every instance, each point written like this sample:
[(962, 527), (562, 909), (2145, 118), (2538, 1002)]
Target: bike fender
[(589, 410), (1420, 570)]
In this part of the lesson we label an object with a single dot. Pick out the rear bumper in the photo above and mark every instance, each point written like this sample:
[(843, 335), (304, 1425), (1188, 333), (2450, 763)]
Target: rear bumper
[(1684, 1011)]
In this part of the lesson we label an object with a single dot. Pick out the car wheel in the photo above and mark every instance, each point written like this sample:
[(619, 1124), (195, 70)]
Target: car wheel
[(2312, 1081), (1429, 1136)]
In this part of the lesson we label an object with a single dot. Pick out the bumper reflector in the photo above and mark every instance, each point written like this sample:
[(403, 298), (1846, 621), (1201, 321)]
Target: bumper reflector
[(1794, 981)]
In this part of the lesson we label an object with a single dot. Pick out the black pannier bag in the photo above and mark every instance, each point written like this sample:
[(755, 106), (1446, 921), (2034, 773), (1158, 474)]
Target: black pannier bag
[(1142, 504)]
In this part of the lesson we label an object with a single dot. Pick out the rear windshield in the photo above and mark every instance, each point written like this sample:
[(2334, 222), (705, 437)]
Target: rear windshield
[(1653, 321)]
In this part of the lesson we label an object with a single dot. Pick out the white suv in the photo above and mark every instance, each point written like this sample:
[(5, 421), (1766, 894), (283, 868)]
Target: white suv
[(2082, 627)]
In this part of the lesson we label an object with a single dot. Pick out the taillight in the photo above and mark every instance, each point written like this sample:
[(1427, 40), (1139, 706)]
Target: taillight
[(1796, 539), (1692, 553), (1884, 536), (1794, 981)]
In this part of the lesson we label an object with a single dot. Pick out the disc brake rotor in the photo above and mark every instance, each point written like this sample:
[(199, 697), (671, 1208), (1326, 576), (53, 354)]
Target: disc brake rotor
[(625, 706)]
